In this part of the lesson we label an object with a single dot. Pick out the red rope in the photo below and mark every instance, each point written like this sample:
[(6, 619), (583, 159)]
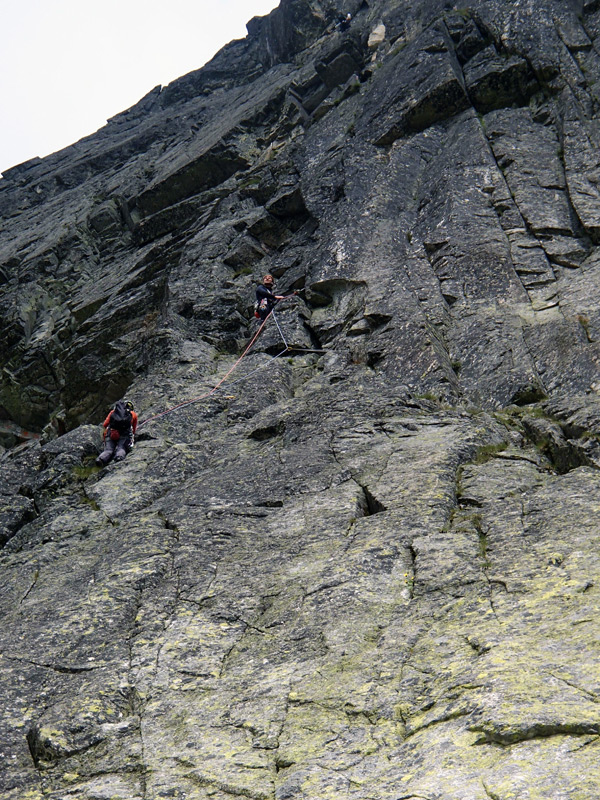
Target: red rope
[(220, 383)]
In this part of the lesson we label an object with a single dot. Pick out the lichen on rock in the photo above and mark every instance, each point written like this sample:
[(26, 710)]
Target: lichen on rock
[(362, 559)]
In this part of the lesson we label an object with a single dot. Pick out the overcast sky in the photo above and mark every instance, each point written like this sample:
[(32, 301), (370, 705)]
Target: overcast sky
[(66, 66)]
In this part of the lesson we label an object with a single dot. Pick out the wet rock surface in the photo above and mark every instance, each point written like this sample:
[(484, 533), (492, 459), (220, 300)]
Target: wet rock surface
[(362, 561)]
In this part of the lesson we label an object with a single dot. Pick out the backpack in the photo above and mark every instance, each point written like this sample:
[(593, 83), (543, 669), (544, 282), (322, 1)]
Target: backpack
[(120, 419)]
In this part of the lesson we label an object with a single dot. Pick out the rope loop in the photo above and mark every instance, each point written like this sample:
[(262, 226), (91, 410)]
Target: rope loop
[(229, 372)]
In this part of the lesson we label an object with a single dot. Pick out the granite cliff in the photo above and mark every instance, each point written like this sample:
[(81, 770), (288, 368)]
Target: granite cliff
[(367, 572)]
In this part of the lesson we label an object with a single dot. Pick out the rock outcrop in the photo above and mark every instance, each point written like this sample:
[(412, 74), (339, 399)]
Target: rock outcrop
[(366, 565)]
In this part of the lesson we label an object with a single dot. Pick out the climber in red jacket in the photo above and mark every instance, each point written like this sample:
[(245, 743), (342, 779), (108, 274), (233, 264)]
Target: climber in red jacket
[(119, 429)]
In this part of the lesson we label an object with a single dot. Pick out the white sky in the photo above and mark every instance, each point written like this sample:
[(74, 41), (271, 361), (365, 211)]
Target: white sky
[(66, 66)]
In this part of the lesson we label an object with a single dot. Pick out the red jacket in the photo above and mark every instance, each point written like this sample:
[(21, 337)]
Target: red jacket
[(134, 421)]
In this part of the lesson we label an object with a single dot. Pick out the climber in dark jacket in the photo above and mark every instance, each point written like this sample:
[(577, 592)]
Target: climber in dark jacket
[(343, 22), (265, 299), (119, 429)]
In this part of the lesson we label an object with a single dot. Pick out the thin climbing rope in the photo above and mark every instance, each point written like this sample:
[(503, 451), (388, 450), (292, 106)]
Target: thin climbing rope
[(217, 386), (279, 327)]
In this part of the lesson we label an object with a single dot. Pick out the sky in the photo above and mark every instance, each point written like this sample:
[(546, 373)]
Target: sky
[(66, 66)]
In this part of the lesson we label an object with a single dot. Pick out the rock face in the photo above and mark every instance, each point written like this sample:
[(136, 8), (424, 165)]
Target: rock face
[(366, 565)]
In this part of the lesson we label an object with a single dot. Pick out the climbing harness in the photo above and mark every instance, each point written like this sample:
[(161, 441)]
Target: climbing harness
[(217, 386)]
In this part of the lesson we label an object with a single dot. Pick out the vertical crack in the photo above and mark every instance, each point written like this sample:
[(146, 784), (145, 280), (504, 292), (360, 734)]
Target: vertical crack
[(144, 766), (36, 575), (372, 504), (170, 526), (482, 534), (488, 792), (411, 572)]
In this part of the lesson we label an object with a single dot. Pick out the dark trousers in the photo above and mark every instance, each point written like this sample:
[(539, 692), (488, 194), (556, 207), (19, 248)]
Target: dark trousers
[(264, 312), (114, 449)]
